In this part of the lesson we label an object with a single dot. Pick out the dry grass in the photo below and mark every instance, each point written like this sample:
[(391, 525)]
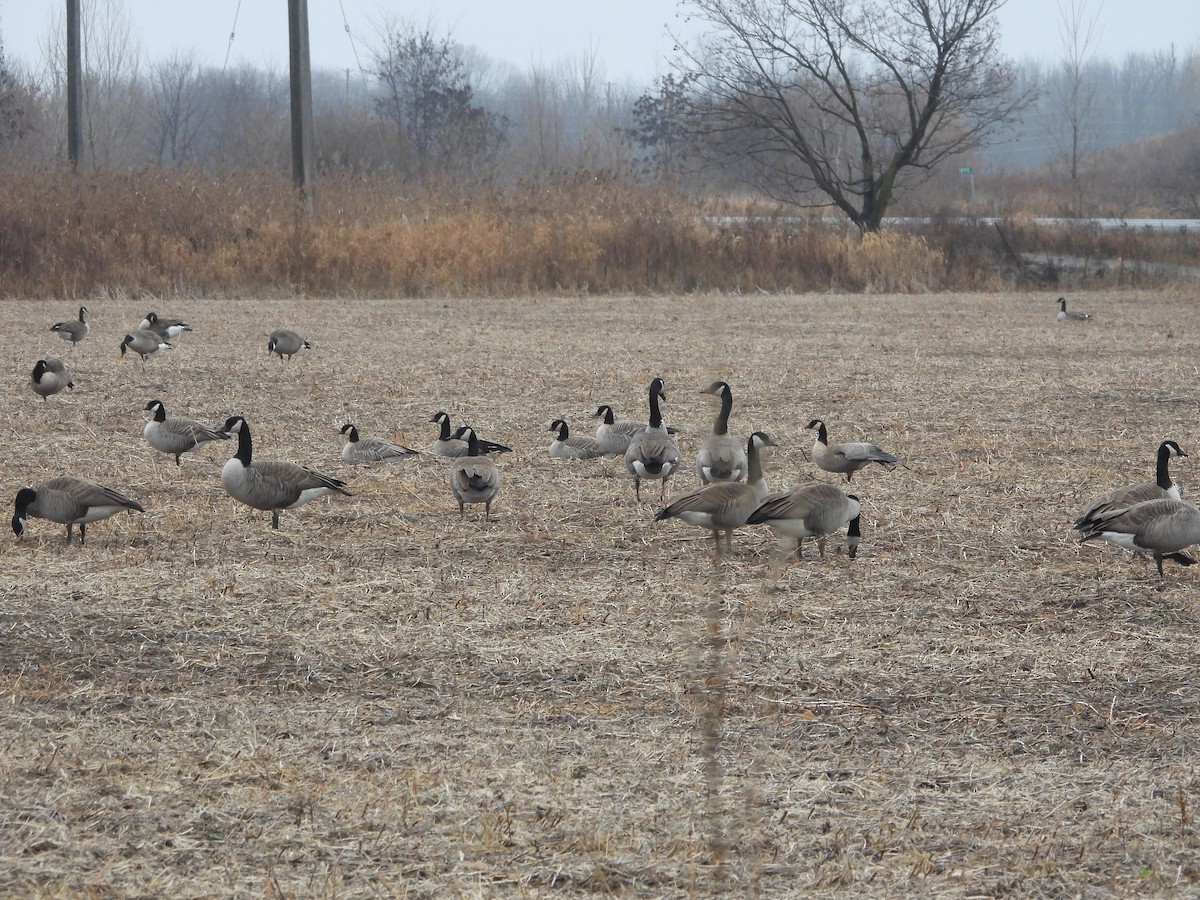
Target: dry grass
[(382, 699)]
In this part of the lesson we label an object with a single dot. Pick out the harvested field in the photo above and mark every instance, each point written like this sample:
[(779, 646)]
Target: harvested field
[(381, 698)]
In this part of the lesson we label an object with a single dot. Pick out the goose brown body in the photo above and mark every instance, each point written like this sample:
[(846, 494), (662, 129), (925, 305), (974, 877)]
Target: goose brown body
[(69, 500)]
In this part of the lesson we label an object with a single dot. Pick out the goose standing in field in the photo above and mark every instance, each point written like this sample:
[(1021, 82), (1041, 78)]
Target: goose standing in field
[(370, 450), (271, 484), (845, 459), (811, 510), (721, 457), (50, 376), (613, 435), (1162, 528), (176, 435), (725, 505), (73, 330), (1072, 316), (1162, 488), (167, 329), (572, 446), (473, 478), (653, 453), (144, 343), (286, 342), (69, 501), (452, 445)]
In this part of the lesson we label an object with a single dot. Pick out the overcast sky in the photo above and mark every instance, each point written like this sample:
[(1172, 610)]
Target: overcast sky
[(629, 37)]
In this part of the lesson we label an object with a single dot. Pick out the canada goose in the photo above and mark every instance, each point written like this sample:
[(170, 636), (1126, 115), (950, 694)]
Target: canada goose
[(572, 446), (176, 435), (69, 501), (286, 343), (473, 478), (845, 459), (613, 435), (370, 450), (1162, 488), (73, 330), (653, 453), (721, 457), (1071, 316), (811, 510), (452, 445), (1160, 527), (164, 328), (725, 505), (49, 377), (143, 342), (272, 484)]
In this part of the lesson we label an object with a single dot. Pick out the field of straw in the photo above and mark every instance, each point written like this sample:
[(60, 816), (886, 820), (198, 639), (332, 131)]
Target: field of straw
[(383, 699)]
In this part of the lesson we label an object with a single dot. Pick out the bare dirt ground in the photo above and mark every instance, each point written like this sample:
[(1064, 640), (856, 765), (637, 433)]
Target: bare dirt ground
[(383, 699)]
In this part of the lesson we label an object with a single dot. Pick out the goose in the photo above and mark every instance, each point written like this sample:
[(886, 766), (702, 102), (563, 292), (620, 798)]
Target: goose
[(1162, 527), (845, 459), (653, 453), (164, 328), (811, 510), (176, 435), (73, 330), (286, 343), (70, 501), (721, 457), (370, 450), (144, 343), (473, 478), (572, 446), (725, 505), (1159, 489), (452, 445), (1072, 316), (50, 376), (271, 484), (613, 435)]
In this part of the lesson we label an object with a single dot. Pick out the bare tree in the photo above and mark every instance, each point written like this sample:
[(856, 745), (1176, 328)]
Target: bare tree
[(831, 102), (1076, 94), (177, 107)]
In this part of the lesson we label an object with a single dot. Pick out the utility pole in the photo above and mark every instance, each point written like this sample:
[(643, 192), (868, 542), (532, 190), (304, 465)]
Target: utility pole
[(301, 95), (74, 84)]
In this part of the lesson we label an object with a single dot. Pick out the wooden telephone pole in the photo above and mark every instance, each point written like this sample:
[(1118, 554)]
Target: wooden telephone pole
[(74, 84), (301, 93)]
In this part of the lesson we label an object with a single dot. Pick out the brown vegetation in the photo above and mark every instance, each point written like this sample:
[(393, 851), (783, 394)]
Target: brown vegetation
[(383, 698)]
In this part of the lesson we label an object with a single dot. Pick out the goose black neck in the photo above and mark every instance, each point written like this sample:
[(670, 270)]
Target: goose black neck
[(160, 413), (822, 434), (721, 425), (753, 463), (655, 412), (245, 445), (82, 310), (472, 443), (444, 421), (564, 431), (609, 419), (352, 435), (1161, 470)]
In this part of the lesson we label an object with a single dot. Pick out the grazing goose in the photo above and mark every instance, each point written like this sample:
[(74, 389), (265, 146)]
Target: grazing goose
[(370, 450), (286, 343), (73, 330), (69, 501), (613, 435), (1072, 316), (653, 453), (725, 505), (572, 446), (845, 459), (1162, 488), (164, 328), (271, 484), (143, 342), (473, 478), (49, 377), (1160, 527), (176, 435), (452, 445), (721, 457), (811, 510)]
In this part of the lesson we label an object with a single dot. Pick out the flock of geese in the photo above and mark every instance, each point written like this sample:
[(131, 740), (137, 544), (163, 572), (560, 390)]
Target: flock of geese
[(1147, 518)]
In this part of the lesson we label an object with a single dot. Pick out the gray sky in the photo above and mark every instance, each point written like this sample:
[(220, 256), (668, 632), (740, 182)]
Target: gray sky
[(628, 37)]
